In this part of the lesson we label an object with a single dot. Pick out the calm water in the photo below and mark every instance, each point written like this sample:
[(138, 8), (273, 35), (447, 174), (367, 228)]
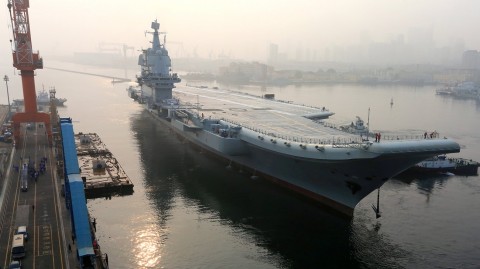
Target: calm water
[(189, 211)]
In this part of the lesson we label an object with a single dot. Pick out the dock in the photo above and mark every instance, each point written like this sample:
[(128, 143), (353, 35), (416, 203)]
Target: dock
[(114, 79), (100, 171), (51, 206)]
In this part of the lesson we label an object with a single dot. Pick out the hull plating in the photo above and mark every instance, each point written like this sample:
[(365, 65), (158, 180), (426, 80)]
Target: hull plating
[(340, 184)]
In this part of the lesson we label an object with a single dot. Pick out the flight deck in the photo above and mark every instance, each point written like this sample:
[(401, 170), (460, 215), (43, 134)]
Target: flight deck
[(281, 118)]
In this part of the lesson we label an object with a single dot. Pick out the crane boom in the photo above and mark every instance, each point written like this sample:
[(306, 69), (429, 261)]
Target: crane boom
[(26, 61), (23, 56)]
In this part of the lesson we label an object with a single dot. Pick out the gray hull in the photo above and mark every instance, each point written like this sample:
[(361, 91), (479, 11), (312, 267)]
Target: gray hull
[(339, 184)]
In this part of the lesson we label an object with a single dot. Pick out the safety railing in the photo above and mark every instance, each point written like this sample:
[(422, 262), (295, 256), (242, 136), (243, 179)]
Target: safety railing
[(335, 141)]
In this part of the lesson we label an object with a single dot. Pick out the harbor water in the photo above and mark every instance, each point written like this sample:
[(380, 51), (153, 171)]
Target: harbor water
[(188, 210)]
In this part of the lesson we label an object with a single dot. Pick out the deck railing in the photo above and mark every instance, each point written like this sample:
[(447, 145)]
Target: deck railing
[(336, 141)]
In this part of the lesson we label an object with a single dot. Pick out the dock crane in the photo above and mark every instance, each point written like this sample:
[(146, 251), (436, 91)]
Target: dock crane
[(26, 61)]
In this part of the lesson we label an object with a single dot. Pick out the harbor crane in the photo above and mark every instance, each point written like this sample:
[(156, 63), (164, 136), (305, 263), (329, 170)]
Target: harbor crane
[(115, 47), (26, 61)]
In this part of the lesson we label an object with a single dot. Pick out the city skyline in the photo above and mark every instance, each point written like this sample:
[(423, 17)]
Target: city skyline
[(311, 30)]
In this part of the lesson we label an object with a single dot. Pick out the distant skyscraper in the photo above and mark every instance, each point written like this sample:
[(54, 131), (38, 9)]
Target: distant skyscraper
[(299, 54), (273, 53), (471, 59), (421, 43)]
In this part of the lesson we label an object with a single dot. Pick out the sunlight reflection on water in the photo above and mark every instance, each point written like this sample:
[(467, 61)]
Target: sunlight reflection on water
[(148, 241)]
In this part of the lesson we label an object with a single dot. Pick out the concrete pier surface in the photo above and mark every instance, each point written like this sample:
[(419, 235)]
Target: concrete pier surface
[(36, 202)]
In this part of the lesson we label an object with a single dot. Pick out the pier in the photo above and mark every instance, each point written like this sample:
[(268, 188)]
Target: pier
[(49, 201), (114, 79), (100, 171), (36, 204)]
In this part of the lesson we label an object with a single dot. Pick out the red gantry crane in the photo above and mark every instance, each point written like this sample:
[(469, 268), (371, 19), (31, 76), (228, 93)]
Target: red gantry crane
[(26, 61)]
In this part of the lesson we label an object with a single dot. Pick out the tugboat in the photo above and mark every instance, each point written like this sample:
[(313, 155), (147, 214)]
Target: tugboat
[(358, 127), (442, 164)]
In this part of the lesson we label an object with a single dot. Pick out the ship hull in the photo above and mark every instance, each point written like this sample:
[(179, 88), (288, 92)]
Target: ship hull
[(338, 184), (464, 170), (40, 103), (443, 165)]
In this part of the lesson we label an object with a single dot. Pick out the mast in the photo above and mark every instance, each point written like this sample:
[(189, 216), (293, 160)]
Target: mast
[(156, 37), (368, 124)]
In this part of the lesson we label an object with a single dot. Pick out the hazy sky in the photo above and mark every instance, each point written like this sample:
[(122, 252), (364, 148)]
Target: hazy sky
[(242, 29)]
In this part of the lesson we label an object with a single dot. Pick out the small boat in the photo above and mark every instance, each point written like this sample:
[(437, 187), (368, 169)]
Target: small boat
[(445, 90), (43, 99), (442, 164), (467, 90), (356, 128)]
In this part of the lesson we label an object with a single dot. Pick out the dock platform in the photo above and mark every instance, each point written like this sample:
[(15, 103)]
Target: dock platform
[(100, 171)]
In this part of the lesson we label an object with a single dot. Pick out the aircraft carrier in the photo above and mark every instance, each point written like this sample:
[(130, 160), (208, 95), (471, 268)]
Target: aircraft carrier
[(285, 142)]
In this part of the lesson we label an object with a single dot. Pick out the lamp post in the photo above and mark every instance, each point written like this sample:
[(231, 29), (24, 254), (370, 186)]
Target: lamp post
[(8, 97)]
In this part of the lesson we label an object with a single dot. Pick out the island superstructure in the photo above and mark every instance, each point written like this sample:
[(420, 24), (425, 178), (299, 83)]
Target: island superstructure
[(156, 77), (285, 142)]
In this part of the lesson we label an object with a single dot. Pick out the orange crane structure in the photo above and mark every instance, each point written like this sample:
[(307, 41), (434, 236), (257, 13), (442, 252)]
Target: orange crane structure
[(26, 61)]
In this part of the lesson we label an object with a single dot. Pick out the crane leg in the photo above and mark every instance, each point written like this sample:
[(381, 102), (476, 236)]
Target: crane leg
[(24, 117)]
